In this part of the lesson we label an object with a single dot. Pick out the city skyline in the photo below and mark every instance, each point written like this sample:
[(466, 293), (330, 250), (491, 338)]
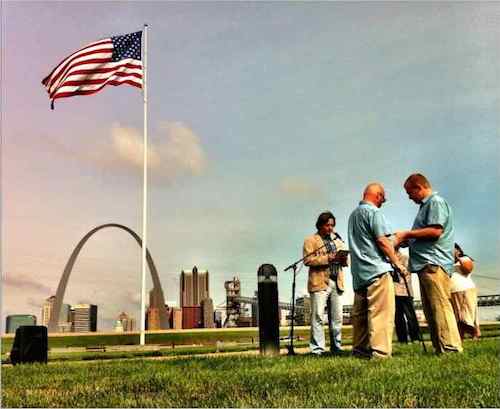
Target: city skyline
[(262, 115)]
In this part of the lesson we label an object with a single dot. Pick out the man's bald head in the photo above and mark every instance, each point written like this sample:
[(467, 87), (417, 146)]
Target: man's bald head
[(374, 193), (373, 188)]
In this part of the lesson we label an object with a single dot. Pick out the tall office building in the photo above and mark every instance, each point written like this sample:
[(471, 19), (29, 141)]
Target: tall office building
[(157, 315), (65, 324), (84, 318), (13, 322), (65, 321), (303, 313), (192, 317), (176, 318), (47, 307), (153, 318), (193, 287), (207, 313), (127, 322)]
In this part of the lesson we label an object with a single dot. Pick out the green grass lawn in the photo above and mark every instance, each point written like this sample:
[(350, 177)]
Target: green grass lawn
[(205, 344), (184, 337), (409, 379)]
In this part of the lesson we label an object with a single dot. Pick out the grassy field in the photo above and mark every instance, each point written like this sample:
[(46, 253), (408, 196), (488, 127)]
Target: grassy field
[(180, 351), (409, 379), (167, 338), (194, 337)]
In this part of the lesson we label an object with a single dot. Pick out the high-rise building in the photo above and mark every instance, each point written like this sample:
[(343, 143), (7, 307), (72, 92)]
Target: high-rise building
[(193, 287), (127, 322), (47, 307), (176, 318), (207, 312), (13, 322), (153, 318), (192, 317), (196, 304), (84, 318), (159, 317), (303, 313), (65, 321), (65, 324)]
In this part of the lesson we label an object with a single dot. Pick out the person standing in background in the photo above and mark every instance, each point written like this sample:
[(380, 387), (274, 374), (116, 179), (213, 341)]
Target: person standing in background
[(405, 319), (464, 295)]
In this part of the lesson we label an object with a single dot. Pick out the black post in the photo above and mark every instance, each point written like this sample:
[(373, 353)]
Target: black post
[(269, 333), (30, 345), (291, 351)]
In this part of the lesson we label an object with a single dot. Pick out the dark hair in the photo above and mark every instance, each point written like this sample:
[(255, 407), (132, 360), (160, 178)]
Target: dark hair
[(459, 249), (461, 252), (323, 219), (417, 179)]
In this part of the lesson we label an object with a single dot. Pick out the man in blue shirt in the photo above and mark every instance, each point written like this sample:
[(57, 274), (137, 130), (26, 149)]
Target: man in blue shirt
[(372, 254), (431, 242)]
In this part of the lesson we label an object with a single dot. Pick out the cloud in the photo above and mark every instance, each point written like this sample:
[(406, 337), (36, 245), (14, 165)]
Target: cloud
[(176, 152), (300, 189), (21, 282), (128, 147)]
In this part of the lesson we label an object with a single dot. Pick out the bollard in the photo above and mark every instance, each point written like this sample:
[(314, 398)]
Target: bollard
[(269, 332), (30, 345)]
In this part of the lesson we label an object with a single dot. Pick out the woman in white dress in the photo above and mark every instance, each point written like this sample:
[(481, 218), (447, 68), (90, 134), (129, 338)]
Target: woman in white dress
[(464, 295)]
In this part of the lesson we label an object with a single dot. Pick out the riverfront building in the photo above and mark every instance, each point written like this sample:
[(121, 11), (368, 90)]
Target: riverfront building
[(13, 322), (195, 302), (84, 318)]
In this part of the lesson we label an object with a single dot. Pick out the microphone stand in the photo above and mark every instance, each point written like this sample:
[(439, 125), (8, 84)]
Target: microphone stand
[(293, 266), (420, 337)]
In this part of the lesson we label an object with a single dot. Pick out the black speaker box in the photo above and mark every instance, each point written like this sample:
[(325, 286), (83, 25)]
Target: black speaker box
[(30, 345)]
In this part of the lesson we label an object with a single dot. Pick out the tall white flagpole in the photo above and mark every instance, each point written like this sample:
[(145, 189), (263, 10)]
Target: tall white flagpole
[(145, 185)]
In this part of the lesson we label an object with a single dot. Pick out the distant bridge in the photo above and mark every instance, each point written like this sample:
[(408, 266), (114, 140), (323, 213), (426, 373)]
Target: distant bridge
[(482, 301)]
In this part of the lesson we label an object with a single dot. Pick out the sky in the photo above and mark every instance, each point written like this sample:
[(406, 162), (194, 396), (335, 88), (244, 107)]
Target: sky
[(261, 116)]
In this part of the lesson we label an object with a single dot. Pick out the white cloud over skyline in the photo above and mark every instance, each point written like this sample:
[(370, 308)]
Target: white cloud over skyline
[(174, 152)]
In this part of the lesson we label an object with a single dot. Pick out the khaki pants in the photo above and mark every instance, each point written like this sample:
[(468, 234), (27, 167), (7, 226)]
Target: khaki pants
[(435, 294), (373, 319)]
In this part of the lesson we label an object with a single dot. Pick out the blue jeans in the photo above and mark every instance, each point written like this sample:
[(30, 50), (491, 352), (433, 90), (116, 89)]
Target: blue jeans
[(319, 301)]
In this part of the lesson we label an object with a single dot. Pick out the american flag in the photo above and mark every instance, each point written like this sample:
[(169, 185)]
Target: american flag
[(112, 61)]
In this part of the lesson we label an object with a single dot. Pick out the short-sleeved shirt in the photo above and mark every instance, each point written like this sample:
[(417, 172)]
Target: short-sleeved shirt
[(433, 211), (366, 224)]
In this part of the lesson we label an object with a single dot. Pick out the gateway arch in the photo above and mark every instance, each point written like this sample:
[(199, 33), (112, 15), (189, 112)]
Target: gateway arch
[(61, 289)]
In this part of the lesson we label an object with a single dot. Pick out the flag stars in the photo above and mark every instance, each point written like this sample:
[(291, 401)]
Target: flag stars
[(127, 46)]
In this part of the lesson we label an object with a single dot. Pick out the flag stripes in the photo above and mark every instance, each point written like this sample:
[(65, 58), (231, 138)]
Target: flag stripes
[(114, 61)]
